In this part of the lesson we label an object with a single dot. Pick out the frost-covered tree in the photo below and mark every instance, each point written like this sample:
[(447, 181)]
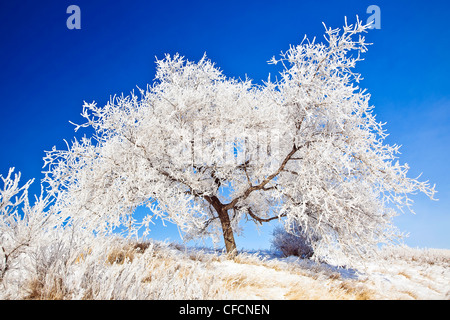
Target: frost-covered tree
[(22, 224), (205, 152)]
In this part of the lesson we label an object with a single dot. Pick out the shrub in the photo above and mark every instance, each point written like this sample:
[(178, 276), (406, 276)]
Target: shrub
[(294, 243)]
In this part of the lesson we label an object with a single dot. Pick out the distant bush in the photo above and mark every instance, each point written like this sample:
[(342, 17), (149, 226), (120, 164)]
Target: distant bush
[(292, 244)]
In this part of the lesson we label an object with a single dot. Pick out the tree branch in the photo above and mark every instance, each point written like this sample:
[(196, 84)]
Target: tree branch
[(261, 220), (264, 182)]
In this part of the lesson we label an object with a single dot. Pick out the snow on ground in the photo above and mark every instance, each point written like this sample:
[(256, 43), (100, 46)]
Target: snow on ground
[(408, 273), (399, 273), (251, 281), (153, 270)]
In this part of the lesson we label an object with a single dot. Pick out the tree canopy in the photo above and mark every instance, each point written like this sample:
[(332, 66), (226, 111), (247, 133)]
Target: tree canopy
[(205, 152)]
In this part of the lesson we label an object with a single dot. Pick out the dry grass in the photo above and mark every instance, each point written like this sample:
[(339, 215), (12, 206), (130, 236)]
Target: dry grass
[(125, 253), (411, 294), (328, 290), (237, 282), (120, 255), (404, 274), (357, 290), (81, 257), (119, 269), (49, 290)]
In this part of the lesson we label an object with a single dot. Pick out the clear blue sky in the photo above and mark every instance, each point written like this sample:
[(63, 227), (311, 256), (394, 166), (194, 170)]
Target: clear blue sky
[(47, 70)]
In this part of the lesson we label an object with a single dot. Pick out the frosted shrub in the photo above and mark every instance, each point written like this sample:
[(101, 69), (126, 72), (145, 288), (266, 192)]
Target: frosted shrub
[(23, 225), (292, 244)]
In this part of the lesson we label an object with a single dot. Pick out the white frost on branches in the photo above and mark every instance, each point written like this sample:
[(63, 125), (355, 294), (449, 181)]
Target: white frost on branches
[(305, 149), (22, 225)]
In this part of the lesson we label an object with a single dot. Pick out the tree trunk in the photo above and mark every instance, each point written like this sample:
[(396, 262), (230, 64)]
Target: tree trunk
[(228, 236)]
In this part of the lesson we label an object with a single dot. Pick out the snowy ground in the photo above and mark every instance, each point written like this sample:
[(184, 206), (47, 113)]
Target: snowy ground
[(154, 270), (410, 274), (390, 278)]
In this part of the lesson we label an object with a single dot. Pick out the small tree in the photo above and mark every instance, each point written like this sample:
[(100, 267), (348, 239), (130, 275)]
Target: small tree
[(205, 152)]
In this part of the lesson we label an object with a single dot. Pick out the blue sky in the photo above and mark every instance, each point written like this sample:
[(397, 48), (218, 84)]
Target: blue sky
[(48, 70)]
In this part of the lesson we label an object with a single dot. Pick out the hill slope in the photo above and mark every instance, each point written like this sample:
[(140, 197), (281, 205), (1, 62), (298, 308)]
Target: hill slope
[(154, 270)]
